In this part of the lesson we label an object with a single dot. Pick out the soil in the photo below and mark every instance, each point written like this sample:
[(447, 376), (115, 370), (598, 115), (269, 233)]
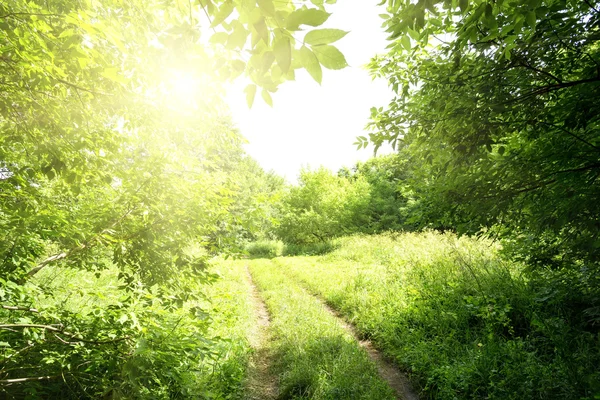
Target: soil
[(388, 371), (262, 382)]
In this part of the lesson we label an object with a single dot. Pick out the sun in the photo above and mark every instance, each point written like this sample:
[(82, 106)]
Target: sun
[(183, 85)]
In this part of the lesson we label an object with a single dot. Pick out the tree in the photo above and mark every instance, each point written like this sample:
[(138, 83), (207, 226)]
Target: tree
[(389, 198), (501, 112), (105, 173), (253, 213), (321, 207), (497, 111)]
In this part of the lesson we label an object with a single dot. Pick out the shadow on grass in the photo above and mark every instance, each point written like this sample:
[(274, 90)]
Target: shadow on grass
[(271, 249), (327, 367)]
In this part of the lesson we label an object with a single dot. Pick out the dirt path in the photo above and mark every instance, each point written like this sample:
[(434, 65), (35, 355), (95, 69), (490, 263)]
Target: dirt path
[(390, 373), (261, 383)]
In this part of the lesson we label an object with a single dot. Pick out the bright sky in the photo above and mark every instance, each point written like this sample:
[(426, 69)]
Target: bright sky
[(312, 125)]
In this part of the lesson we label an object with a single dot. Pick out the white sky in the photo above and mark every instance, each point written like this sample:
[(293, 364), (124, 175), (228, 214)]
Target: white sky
[(312, 125)]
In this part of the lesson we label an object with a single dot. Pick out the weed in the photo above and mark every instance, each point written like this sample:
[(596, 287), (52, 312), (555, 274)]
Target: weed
[(317, 358), (464, 322)]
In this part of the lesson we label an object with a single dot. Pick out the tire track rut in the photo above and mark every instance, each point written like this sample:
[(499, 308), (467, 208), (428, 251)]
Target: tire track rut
[(389, 372), (262, 382)]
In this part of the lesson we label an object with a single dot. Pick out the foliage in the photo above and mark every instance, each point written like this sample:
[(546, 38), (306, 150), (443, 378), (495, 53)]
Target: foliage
[(499, 116), (496, 112), (308, 249), (389, 198), (465, 323), (316, 358), (198, 350), (374, 196), (265, 249), (104, 167), (274, 52), (321, 207), (231, 321), (253, 214)]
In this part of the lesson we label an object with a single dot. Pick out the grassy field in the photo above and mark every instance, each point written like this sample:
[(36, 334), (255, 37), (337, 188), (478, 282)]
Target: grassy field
[(315, 357), (464, 323), (232, 317), (461, 321)]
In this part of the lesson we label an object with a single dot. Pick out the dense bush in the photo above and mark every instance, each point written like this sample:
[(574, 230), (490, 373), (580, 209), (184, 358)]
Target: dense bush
[(265, 249), (322, 206)]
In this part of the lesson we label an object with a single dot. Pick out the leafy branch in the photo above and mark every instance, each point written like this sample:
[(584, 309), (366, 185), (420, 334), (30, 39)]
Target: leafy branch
[(59, 328)]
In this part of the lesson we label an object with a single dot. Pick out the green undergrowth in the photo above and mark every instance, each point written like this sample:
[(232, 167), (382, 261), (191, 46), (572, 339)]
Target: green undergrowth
[(139, 345), (264, 249), (462, 321), (316, 358), (232, 319), (276, 248)]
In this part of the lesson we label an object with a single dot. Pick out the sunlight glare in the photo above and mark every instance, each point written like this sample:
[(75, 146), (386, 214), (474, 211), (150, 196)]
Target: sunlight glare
[(183, 85)]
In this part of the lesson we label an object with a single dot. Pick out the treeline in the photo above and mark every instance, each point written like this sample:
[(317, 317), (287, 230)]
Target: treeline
[(368, 198)]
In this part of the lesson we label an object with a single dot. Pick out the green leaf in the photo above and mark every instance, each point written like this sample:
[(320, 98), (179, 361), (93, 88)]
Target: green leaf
[(219, 38), (262, 30), (463, 4), (250, 91), (237, 39), (405, 41), (113, 75), (266, 61), (531, 19), (247, 5), (238, 66), (283, 52), (306, 16), (324, 36), (267, 7), (330, 57), (224, 11), (309, 60), (267, 97)]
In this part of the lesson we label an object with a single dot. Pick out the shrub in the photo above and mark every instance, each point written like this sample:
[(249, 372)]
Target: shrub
[(265, 249)]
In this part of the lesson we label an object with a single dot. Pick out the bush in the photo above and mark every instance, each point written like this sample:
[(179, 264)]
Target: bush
[(265, 249), (312, 249)]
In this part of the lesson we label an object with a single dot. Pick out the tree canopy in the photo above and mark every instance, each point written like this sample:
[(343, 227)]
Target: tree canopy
[(113, 171), (496, 105)]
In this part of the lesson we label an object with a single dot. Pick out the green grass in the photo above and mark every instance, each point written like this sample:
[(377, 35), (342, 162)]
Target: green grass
[(463, 322), (276, 248), (232, 318), (316, 358)]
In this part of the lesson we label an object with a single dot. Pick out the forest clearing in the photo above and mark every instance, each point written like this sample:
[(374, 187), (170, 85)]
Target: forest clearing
[(146, 253)]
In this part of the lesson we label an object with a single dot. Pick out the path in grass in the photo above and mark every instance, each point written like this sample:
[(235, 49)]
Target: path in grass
[(397, 380), (387, 369), (261, 383), (316, 357)]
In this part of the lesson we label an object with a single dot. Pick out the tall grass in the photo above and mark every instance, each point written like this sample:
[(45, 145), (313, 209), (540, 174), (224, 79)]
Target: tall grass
[(232, 317), (462, 321), (265, 249), (317, 358)]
